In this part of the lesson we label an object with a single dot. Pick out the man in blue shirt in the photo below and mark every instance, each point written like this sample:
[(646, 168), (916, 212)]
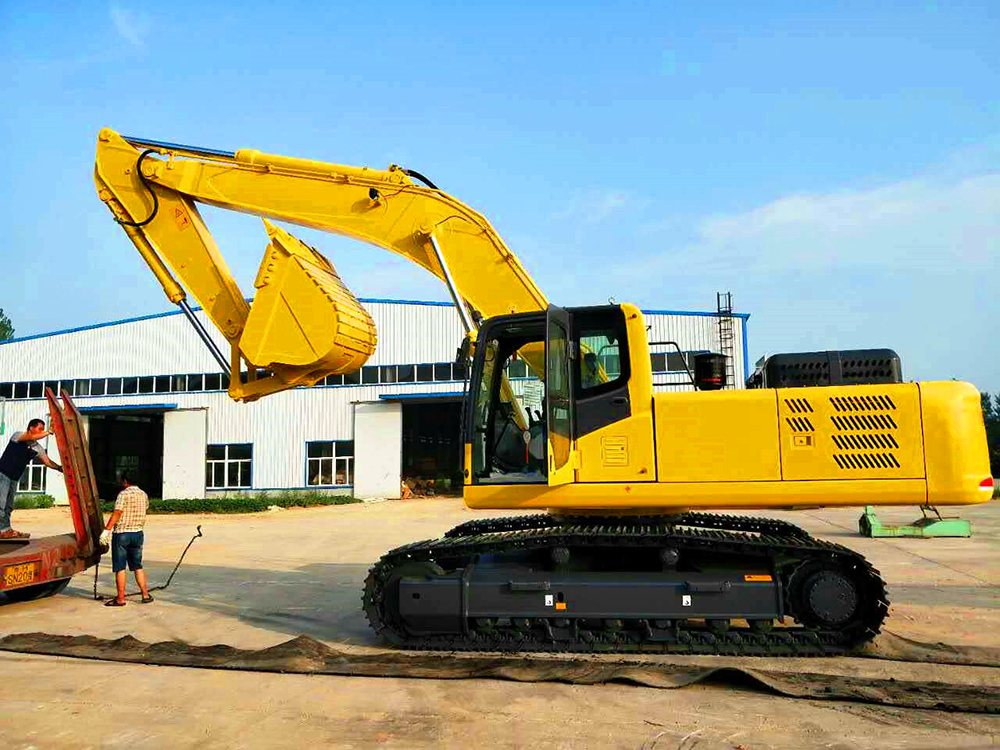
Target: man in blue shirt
[(22, 448)]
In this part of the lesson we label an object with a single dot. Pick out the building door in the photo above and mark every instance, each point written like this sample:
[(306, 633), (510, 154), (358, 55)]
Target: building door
[(432, 449), (126, 442), (184, 439), (378, 431)]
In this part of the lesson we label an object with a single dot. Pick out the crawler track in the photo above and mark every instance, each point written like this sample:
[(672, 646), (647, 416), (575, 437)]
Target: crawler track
[(785, 549), (768, 526)]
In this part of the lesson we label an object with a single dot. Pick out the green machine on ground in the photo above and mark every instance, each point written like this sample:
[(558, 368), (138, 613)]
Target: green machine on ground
[(928, 526)]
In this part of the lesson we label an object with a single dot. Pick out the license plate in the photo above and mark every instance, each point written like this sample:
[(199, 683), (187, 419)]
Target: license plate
[(18, 575)]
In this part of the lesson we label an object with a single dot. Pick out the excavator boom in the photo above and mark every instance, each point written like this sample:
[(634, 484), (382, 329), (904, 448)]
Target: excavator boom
[(152, 188)]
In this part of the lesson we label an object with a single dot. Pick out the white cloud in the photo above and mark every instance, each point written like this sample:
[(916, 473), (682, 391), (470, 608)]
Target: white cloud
[(595, 206), (920, 222), (910, 264), (131, 27)]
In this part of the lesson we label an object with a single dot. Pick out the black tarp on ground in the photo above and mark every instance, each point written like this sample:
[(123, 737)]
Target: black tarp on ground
[(306, 655)]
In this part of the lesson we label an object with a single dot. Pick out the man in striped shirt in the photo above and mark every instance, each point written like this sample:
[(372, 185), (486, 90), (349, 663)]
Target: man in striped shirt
[(127, 522)]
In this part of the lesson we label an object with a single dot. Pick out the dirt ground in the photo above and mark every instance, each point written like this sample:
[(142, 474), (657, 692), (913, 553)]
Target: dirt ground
[(255, 581)]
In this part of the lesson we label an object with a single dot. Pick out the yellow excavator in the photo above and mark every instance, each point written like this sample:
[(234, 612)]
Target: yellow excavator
[(624, 556)]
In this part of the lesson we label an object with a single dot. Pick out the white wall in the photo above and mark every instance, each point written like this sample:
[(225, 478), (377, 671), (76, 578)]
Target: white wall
[(184, 438), (378, 447)]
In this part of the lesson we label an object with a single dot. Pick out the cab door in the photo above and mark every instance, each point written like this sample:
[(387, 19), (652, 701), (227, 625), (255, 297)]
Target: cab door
[(613, 392), (559, 357)]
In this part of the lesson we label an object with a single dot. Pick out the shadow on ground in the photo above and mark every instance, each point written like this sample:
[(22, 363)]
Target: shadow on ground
[(321, 600)]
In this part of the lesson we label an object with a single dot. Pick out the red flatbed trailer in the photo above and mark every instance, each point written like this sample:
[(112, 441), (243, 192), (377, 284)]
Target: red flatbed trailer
[(34, 568)]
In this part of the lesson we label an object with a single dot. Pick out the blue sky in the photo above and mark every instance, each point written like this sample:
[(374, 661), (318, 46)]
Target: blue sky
[(838, 170)]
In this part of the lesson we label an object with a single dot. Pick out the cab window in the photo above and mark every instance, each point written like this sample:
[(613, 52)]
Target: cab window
[(600, 358)]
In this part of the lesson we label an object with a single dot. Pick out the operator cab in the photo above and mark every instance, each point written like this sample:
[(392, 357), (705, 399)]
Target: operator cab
[(540, 381)]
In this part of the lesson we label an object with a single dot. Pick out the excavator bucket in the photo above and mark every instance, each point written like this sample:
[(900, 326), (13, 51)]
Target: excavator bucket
[(304, 323)]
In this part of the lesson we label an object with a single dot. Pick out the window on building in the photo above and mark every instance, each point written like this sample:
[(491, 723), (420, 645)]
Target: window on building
[(6, 390), (213, 381), (387, 374), (352, 378), (20, 390), (330, 463), (405, 374), (33, 478), (82, 388), (344, 456), (517, 369), (425, 373), (146, 384), (332, 380), (130, 385), (229, 466), (259, 374), (114, 386), (161, 384), (52, 385), (35, 389), (369, 375), (319, 463), (97, 386), (676, 362), (442, 371), (197, 382)]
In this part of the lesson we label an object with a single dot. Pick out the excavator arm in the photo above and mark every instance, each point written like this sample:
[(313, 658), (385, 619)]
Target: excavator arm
[(303, 322)]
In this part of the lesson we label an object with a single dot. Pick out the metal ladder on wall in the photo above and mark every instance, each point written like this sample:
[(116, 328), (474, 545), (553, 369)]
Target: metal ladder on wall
[(727, 334)]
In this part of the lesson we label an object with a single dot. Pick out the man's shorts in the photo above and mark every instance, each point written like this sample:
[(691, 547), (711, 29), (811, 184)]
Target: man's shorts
[(126, 547)]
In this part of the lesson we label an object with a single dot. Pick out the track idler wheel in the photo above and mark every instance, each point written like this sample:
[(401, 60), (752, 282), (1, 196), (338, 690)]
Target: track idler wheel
[(381, 603)]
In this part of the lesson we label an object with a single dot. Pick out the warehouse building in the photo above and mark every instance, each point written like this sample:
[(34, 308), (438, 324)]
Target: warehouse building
[(155, 403)]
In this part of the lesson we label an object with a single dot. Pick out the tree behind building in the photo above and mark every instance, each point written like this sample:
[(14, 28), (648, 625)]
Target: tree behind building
[(6, 327), (991, 416)]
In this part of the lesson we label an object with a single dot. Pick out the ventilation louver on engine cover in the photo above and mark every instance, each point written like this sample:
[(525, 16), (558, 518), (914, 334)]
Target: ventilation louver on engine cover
[(801, 408), (865, 428), (855, 432)]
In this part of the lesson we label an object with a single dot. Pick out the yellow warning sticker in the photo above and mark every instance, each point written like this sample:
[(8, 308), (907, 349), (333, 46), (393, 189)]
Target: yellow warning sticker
[(560, 605), (181, 218), (758, 579)]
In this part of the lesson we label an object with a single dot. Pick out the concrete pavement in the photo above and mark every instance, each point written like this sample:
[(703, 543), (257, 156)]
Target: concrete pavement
[(254, 581)]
